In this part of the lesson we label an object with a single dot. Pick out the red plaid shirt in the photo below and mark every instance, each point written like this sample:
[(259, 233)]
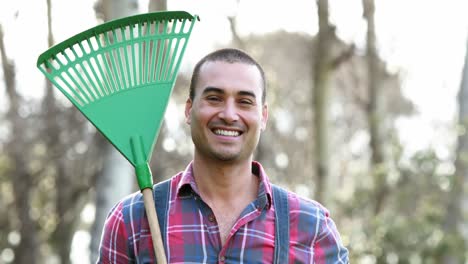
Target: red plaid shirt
[(192, 233)]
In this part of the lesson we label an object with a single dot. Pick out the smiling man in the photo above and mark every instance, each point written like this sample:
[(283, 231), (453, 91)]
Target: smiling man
[(222, 208)]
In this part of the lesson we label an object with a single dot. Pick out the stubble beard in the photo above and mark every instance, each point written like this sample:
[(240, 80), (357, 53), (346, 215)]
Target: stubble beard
[(210, 152)]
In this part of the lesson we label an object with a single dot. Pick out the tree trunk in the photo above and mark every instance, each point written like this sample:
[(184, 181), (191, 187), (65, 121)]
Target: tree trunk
[(27, 250), (374, 119), (65, 205), (236, 39), (157, 5), (49, 99), (455, 220), (117, 178), (320, 100)]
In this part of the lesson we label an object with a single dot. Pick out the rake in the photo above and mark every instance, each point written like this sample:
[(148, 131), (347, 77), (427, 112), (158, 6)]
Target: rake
[(120, 75)]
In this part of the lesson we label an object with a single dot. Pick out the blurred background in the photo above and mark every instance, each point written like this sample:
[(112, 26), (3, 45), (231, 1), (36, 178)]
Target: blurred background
[(368, 104)]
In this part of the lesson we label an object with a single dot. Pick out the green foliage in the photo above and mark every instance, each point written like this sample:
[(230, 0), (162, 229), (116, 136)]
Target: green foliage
[(410, 227)]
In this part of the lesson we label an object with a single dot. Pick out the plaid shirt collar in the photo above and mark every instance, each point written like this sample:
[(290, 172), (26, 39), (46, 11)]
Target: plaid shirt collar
[(187, 186)]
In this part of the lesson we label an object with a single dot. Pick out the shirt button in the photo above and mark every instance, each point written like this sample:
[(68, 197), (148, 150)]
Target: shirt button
[(211, 218), (222, 258)]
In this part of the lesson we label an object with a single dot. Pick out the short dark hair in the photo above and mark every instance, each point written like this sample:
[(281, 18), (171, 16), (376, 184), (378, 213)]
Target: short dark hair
[(229, 55)]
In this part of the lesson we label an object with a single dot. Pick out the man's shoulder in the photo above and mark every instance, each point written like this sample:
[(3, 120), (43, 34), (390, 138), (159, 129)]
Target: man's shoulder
[(135, 200), (303, 205)]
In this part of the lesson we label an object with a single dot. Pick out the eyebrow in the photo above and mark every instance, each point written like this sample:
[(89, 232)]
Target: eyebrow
[(211, 89)]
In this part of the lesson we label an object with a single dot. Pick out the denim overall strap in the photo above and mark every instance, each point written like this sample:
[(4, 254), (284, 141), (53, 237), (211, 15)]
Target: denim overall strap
[(136, 223), (161, 200), (280, 201)]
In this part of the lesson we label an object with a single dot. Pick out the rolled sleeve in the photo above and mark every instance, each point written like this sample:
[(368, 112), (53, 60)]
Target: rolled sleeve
[(328, 247)]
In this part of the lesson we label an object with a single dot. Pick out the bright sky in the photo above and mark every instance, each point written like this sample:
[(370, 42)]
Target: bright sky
[(423, 39), (426, 40)]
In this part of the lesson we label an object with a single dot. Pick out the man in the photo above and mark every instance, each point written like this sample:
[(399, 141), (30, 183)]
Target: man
[(222, 209)]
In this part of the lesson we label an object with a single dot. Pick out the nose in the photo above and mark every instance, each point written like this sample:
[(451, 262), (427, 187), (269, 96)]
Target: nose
[(229, 112)]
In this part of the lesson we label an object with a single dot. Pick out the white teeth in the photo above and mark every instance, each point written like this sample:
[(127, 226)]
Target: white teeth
[(227, 133)]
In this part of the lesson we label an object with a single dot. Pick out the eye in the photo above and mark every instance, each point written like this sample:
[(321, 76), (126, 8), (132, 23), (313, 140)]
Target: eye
[(213, 98), (246, 101)]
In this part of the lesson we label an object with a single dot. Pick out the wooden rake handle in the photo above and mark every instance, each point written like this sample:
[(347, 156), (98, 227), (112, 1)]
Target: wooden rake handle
[(145, 182), (154, 226)]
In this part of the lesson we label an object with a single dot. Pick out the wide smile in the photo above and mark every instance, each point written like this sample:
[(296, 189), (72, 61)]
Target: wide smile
[(226, 132)]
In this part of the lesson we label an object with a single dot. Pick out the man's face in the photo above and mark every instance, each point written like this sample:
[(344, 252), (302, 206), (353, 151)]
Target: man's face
[(226, 115)]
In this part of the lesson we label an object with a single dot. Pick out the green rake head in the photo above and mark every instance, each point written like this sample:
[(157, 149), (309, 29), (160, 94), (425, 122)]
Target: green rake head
[(120, 75)]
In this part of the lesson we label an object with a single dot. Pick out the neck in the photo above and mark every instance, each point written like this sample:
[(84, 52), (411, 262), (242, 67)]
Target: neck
[(223, 181)]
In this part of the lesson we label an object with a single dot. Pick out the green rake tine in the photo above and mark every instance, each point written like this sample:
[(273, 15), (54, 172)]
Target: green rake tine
[(140, 52), (71, 77), (144, 47), (152, 58), (122, 58), (94, 80), (106, 68), (85, 70), (78, 62), (153, 44), (185, 44), (79, 94), (96, 76), (113, 67), (104, 82), (137, 48), (162, 47), (134, 65), (156, 44), (49, 66), (76, 72), (52, 79), (91, 47), (110, 75), (122, 31), (172, 51), (119, 59), (173, 59), (148, 50), (166, 56), (175, 53), (99, 60), (168, 60), (88, 81), (183, 47)]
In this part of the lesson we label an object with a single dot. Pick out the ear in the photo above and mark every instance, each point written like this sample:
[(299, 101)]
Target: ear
[(264, 116), (188, 110)]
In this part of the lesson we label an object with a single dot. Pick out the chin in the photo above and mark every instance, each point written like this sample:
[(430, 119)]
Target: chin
[(232, 157), (226, 157)]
